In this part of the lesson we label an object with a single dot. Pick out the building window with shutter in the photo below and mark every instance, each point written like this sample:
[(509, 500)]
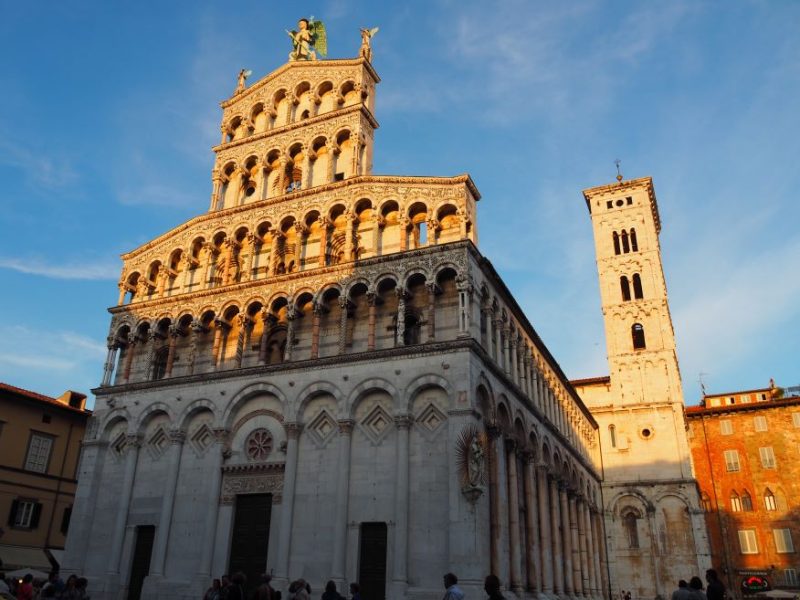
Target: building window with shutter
[(736, 503), (731, 460), (796, 419), (725, 427), (783, 540), (760, 423), (767, 457), (769, 500), (38, 456), (747, 541), (24, 514)]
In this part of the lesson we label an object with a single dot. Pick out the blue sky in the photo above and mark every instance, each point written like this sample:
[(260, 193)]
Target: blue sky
[(108, 112)]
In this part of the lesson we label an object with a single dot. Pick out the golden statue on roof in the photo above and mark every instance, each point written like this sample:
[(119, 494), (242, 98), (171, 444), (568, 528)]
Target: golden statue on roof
[(309, 39)]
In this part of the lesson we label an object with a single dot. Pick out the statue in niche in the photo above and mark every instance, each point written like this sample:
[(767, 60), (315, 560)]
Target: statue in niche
[(471, 461), (366, 39), (309, 39)]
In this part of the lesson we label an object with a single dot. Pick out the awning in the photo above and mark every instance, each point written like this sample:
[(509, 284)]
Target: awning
[(24, 557)]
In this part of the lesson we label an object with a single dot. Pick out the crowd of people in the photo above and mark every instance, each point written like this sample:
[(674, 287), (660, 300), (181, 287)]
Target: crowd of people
[(693, 589), (30, 588), (233, 588)]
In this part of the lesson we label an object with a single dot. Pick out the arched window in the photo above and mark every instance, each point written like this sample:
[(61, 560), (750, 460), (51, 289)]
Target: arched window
[(637, 334), (626, 288), (736, 503), (634, 244), (631, 529), (747, 502), (769, 500), (612, 433), (616, 243), (625, 245), (637, 287)]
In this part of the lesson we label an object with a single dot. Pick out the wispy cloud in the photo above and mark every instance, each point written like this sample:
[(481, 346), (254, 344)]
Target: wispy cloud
[(105, 270), (38, 167), (22, 347)]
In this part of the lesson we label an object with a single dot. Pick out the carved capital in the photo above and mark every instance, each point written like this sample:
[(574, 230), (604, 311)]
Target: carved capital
[(293, 430), (176, 436), (133, 440), (345, 426), (403, 421)]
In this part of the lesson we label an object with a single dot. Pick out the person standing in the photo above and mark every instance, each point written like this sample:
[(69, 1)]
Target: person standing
[(355, 591), (25, 589), (696, 589), (212, 593), (715, 589), (453, 591), (331, 592), (491, 585), (682, 593)]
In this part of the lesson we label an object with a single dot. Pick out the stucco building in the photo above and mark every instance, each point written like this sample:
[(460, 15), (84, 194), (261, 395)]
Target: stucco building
[(745, 447), (322, 377), (654, 523), (40, 441)]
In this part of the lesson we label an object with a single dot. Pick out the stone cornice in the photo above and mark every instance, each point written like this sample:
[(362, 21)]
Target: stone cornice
[(306, 64), (300, 125), (463, 179), (625, 186)]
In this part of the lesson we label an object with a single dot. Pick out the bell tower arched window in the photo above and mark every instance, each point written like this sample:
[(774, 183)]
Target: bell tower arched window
[(637, 287), (625, 287), (634, 243), (637, 335), (616, 243), (625, 245)]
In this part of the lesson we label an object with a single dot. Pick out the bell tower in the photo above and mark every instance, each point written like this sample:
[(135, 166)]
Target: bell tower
[(650, 494)]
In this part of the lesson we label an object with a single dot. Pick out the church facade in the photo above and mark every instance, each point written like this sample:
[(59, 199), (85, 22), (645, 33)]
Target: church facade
[(321, 377)]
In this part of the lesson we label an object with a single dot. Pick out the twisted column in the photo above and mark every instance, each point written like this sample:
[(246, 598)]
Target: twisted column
[(291, 316), (245, 325), (372, 302), (344, 304), (433, 289), (401, 316)]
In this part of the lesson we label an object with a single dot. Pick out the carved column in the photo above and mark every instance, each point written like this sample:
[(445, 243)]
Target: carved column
[(282, 162), (108, 367), (315, 325), (245, 325), (269, 322), (401, 316), (513, 517), (195, 328), (291, 316), (433, 289), (123, 289), (214, 473), (174, 332), (533, 554), (301, 248), (210, 252), (379, 223), (254, 243), (324, 226), (305, 182), (566, 539), (344, 303), (277, 236), (132, 443), (220, 327), (465, 290), (498, 330), (348, 236), (493, 433), (129, 351), (400, 571), (331, 175), (402, 223), (176, 439), (342, 499), (555, 529), (150, 357), (512, 351), (372, 302), (547, 553), (216, 184), (287, 508), (507, 350)]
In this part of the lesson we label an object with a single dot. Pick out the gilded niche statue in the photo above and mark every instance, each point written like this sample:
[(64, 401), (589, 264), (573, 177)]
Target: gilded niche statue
[(309, 39)]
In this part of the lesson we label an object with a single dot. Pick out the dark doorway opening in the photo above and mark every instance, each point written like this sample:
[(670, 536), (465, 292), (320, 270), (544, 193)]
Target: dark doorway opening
[(372, 561), (250, 540), (140, 566)]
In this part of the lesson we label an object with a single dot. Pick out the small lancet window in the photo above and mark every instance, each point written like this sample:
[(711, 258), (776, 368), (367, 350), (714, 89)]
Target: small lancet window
[(626, 288), (637, 287), (616, 243), (631, 529), (747, 502), (637, 334), (612, 433), (736, 503), (634, 244), (625, 245), (769, 500)]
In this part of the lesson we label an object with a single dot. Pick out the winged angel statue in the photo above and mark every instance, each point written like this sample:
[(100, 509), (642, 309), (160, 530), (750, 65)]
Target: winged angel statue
[(308, 40)]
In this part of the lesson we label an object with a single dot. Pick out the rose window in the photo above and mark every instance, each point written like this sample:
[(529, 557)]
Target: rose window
[(258, 445)]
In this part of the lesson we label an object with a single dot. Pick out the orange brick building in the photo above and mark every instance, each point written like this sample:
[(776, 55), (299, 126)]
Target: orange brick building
[(745, 447)]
